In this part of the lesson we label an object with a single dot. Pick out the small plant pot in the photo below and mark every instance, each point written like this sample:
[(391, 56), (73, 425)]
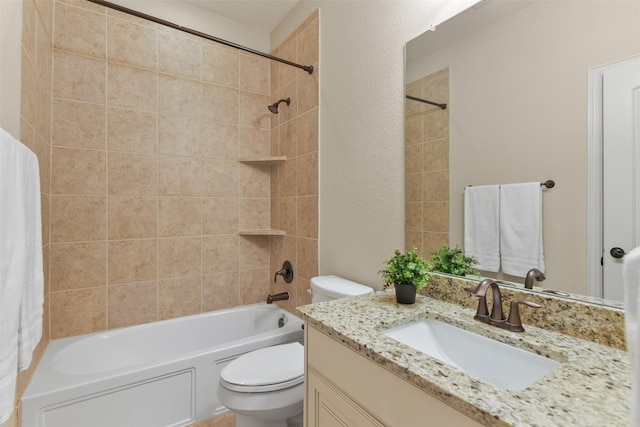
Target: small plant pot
[(405, 294)]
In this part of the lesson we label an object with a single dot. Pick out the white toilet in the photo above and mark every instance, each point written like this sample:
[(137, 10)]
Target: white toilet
[(265, 388)]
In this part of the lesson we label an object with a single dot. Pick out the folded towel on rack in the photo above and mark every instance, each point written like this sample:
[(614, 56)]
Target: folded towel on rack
[(631, 279), (21, 268), (481, 226), (521, 228)]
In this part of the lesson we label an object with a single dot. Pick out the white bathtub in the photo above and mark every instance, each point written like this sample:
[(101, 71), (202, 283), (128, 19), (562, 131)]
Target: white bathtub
[(154, 375)]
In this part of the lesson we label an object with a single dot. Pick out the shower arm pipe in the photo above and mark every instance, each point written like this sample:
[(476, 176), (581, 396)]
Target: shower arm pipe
[(307, 68), (413, 98)]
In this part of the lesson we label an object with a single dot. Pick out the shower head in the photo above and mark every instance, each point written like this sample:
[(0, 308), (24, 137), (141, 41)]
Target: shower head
[(274, 107)]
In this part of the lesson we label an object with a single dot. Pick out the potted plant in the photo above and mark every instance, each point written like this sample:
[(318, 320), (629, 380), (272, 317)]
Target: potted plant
[(453, 261), (408, 273)]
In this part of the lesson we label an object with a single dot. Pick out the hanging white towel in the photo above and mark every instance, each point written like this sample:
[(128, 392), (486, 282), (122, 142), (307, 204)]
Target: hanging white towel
[(481, 226), (631, 276), (521, 228), (21, 272)]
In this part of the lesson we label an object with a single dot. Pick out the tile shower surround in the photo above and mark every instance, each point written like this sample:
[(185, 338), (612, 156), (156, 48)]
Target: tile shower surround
[(147, 194)]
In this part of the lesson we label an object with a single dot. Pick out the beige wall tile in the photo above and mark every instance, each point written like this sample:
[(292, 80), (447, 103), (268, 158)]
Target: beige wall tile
[(287, 139), (436, 217), (78, 312), (132, 304), (254, 73), (308, 44), (220, 216), (413, 216), (413, 128), (177, 95), (79, 78), (413, 158), (78, 124), (413, 187), (220, 254), (179, 257), (435, 186), (413, 239), (80, 31), (255, 180), (179, 216), (431, 241), (29, 23), (132, 174), (254, 213), (132, 217), (220, 103), (307, 132), (254, 285), (179, 297), (307, 255), (219, 140), (179, 176), (132, 261), (220, 64), (131, 130), (78, 218), (307, 174), (287, 182), (179, 55), (78, 171), (220, 291), (254, 252), (253, 110), (435, 124), (78, 265), (285, 72), (435, 155), (85, 5), (307, 91), (254, 143), (220, 178), (131, 43), (307, 216), (287, 212), (131, 87), (179, 136)]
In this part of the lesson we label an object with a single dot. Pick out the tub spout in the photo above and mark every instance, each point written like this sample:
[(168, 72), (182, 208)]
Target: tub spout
[(278, 297)]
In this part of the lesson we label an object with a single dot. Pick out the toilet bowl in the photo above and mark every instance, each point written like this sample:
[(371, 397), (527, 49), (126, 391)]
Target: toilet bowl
[(265, 388)]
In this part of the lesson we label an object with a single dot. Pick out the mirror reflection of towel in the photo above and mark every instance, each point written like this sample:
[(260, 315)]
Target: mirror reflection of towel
[(521, 228), (481, 226)]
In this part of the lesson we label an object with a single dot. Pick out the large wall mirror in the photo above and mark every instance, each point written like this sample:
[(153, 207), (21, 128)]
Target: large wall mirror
[(515, 76)]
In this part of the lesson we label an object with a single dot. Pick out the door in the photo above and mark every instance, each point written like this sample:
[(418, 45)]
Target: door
[(620, 182)]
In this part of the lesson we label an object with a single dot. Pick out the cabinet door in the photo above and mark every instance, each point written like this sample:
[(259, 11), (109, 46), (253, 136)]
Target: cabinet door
[(329, 407)]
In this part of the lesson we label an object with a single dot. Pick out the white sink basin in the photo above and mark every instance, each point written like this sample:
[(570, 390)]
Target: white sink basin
[(500, 364)]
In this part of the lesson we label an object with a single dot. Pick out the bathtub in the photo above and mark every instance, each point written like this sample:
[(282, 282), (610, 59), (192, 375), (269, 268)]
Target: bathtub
[(153, 375)]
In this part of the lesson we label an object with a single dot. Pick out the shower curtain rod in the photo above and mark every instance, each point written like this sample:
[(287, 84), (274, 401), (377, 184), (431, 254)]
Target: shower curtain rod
[(443, 106), (307, 68)]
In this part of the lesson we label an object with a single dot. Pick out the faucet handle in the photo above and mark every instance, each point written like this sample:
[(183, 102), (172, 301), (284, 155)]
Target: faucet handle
[(514, 321)]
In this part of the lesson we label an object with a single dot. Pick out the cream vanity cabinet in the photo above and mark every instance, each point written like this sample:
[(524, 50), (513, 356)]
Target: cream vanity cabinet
[(344, 388)]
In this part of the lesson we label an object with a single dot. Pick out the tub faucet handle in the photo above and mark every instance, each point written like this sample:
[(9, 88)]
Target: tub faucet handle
[(286, 272)]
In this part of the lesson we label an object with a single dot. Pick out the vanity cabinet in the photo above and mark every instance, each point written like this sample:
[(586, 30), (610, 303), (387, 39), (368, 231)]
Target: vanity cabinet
[(344, 388)]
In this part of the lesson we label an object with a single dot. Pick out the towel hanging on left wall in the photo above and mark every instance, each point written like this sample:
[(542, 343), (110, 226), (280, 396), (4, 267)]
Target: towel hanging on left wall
[(21, 268)]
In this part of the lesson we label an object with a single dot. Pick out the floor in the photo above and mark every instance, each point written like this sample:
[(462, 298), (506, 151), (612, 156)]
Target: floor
[(226, 419)]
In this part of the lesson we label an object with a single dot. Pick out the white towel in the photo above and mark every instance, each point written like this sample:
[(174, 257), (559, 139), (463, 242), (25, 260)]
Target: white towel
[(21, 270), (521, 228), (631, 276), (481, 226)]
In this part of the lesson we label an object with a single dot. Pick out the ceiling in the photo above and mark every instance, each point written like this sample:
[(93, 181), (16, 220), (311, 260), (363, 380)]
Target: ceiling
[(262, 14)]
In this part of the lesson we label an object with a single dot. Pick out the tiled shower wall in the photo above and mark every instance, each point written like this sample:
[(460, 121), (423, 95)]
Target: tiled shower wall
[(427, 165), (35, 132), (294, 183), (147, 194)]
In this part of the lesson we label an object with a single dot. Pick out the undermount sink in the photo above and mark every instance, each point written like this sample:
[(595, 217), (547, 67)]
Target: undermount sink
[(483, 358)]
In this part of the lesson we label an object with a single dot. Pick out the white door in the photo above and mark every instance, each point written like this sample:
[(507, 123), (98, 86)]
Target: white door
[(620, 182)]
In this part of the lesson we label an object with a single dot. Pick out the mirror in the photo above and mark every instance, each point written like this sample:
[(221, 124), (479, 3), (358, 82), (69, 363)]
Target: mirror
[(515, 77)]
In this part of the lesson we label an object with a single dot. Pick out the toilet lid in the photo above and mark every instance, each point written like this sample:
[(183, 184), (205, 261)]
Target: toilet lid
[(269, 366)]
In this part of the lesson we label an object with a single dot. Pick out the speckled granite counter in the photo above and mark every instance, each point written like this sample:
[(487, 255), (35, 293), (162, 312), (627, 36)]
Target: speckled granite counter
[(591, 388)]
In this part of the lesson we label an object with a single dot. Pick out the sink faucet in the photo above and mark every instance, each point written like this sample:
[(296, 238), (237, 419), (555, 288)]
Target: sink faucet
[(532, 274), (480, 291), (513, 323)]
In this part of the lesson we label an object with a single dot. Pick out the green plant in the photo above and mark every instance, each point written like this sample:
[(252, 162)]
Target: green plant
[(406, 269), (453, 261)]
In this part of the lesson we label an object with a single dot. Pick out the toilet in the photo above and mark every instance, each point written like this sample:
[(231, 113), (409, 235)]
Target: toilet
[(265, 387)]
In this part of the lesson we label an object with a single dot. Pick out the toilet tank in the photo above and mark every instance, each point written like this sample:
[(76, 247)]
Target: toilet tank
[(328, 288)]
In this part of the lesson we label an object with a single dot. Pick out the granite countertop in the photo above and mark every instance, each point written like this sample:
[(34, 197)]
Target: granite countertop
[(592, 387)]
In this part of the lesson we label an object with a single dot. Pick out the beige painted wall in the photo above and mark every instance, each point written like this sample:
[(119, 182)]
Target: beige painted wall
[(518, 105), (361, 127)]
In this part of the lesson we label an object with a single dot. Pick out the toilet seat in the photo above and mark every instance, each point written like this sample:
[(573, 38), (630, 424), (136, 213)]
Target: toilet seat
[(267, 369)]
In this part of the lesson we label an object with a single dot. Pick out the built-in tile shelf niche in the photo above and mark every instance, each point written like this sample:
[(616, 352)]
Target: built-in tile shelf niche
[(265, 161)]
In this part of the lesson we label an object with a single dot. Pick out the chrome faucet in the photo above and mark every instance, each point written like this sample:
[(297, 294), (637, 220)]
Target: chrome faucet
[(282, 296), (532, 274), (513, 323)]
